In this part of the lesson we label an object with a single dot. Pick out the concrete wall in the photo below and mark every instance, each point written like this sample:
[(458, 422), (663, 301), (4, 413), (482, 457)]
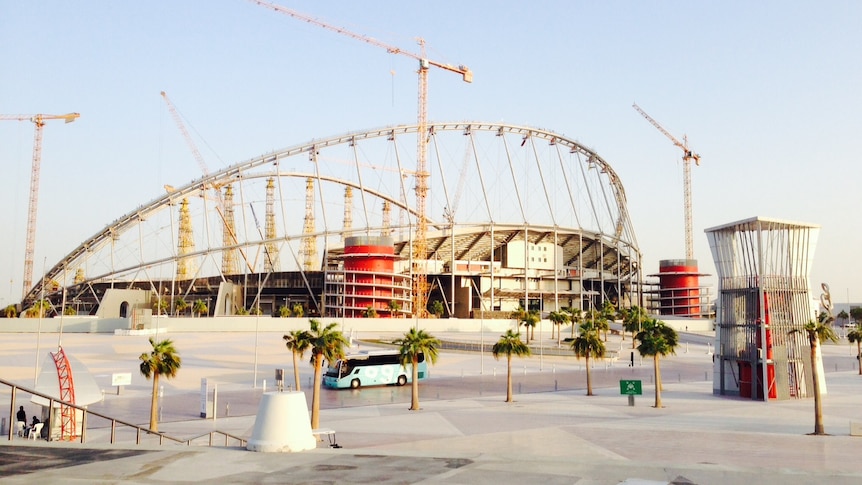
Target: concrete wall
[(249, 323)]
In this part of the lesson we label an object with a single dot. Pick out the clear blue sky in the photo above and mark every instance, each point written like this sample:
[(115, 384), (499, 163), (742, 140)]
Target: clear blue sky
[(769, 93)]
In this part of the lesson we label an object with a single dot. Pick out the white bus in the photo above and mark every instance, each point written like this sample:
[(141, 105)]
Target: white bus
[(372, 367)]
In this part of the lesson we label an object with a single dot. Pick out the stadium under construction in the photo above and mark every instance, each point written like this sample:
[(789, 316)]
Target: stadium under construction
[(502, 216)]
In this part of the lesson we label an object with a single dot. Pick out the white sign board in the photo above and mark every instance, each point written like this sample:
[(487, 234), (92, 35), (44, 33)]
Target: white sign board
[(121, 379)]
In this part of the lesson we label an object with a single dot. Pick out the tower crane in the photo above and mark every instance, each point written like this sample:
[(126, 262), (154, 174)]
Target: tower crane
[(188, 138), (225, 213), (687, 157), (420, 243), (38, 120)]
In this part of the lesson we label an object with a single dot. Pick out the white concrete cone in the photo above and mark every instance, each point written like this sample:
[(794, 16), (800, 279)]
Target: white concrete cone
[(282, 424)]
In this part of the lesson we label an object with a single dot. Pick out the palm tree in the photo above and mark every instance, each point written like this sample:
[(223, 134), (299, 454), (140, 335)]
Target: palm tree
[(10, 311), (38, 310), (529, 319), (843, 315), (588, 344), (632, 321), (607, 314), (327, 344), (200, 307), (817, 332), (283, 312), (181, 305), (297, 310), (559, 319), (436, 307), (656, 340), (600, 323), (163, 360), (394, 307), (577, 316), (414, 343), (855, 335), (160, 306), (510, 344), (297, 341), (369, 312)]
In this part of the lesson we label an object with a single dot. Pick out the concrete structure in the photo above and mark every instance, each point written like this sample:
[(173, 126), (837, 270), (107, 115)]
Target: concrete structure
[(281, 424), (679, 291), (763, 267), (368, 280)]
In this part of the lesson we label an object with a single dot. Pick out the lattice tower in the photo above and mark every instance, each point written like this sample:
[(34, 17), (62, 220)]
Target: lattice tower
[(271, 263), (309, 241), (185, 244), (386, 224), (228, 257), (348, 212)]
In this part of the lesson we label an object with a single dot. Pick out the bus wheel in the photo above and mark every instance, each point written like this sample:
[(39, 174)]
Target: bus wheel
[(354, 384), (402, 380)]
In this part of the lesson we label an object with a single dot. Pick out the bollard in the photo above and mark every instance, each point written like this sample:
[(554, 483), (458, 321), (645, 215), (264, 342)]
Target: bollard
[(495, 372), (525, 369), (556, 388), (554, 369), (264, 386), (519, 388), (227, 410)]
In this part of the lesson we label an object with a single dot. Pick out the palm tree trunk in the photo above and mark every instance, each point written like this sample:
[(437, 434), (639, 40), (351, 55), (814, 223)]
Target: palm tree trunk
[(296, 373), (315, 396), (509, 378), (154, 404), (589, 377), (414, 394), (657, 381), (818, 405), (859, 355)]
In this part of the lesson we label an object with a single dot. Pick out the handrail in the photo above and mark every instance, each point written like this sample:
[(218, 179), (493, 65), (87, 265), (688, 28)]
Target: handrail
[(162, 437)]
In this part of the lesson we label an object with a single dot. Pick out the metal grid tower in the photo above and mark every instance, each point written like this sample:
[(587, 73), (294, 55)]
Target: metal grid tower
[(348, 212), (228, 257), (309, 241), (763, 267), (186, 243), (271, 263)]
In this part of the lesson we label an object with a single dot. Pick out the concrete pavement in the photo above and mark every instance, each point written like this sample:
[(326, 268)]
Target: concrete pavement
[(472, 437)]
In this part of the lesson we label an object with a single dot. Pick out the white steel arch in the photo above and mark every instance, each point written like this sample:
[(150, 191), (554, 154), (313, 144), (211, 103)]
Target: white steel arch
[(521, 182)]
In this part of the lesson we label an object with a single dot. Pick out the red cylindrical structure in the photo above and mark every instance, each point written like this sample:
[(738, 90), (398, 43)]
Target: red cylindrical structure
[(369, 278), (679, 287)]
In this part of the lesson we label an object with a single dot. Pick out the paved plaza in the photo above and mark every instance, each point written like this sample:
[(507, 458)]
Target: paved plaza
[(464, 433)]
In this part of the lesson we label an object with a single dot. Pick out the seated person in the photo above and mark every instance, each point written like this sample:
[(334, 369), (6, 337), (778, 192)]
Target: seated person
[(32, 425)]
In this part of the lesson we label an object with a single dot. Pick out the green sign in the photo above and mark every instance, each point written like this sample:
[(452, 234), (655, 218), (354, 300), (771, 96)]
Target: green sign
[(630, 388)]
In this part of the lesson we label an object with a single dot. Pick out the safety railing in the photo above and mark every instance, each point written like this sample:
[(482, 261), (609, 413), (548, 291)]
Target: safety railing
[(140, 431)]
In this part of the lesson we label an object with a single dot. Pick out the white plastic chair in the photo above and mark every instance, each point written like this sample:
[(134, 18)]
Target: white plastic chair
[(36, 431), (20, 426)]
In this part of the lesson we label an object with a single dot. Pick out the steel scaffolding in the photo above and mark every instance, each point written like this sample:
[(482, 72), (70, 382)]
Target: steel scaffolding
[(763, 268)]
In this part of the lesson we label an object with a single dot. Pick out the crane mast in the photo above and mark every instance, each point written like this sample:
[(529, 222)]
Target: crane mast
[(29, 248), (687, 157), (420, 243)]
